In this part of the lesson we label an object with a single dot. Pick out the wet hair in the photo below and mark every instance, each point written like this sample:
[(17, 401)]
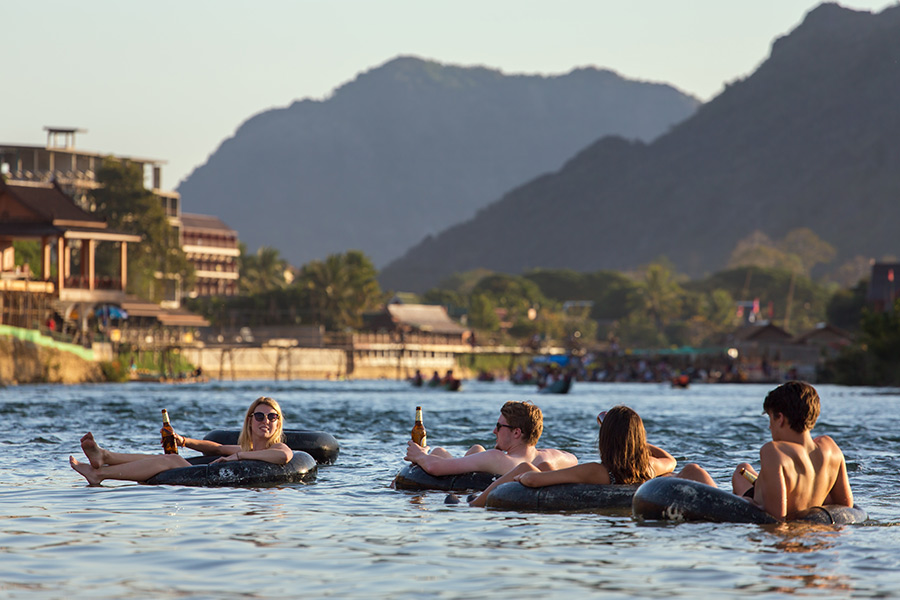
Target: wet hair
[(797, 401), (525, 416), (623, 446), (277, 435)]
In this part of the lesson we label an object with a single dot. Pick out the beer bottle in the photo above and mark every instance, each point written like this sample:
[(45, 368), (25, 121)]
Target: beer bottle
[(168, 435), (748, 475), (418, 430)]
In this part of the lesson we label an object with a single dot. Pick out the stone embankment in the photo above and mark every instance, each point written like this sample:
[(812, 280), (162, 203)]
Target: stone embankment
[(23, 361), (267, 362)]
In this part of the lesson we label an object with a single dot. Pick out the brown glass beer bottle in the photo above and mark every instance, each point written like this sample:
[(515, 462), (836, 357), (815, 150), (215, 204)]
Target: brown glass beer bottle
[(168, 435), (418, 430), (748, 475)]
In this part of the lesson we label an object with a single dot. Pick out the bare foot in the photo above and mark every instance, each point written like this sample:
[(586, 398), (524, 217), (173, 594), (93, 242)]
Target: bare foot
[(87, 471), (92, 450)]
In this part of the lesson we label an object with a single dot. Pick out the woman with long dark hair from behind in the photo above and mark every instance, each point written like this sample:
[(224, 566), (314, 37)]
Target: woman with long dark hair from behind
[(625, 457)]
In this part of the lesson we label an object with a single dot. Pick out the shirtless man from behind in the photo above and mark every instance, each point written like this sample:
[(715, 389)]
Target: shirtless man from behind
[(518, 429), (797, 471)]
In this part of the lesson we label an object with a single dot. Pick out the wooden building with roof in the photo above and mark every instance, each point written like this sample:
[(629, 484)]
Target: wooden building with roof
[(827, 339), (75, 170), (44, 213), (418, 320)]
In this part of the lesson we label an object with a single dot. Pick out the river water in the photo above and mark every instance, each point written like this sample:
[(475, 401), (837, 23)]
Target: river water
[(349, 535)]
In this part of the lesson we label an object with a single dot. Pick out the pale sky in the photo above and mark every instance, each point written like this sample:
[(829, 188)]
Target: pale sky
[(171, 79)]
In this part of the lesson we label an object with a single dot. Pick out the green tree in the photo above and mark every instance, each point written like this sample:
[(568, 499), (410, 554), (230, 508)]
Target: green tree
[(482, 313), (464, 283), (339, 289), (874, 359), (708, 315), (638, 331), (158, 261), (29, 252), (609, 291), (514, 293), (449, 299), (798, 252), (805, 298), (758, 250), (809, 248), (263, 271), (845, 308), (659, 296), (850, 272)]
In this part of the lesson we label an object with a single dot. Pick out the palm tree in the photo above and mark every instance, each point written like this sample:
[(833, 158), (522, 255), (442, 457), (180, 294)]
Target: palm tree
[(340, 289), (263, 271)]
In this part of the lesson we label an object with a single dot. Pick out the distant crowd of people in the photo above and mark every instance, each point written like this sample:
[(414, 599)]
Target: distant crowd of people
[(625, 368)]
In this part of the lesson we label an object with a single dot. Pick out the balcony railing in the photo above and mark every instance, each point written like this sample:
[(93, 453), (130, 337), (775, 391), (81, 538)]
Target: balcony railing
[(100, 283)]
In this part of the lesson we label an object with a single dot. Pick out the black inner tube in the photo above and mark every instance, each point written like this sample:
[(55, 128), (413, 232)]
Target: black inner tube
[(320, 445)]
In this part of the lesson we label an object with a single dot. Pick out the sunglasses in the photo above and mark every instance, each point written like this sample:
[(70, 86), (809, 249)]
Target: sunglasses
[(499, 425), (261, 416)]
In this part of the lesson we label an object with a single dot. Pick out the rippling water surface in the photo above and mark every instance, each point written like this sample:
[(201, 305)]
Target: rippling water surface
[(350, 535)]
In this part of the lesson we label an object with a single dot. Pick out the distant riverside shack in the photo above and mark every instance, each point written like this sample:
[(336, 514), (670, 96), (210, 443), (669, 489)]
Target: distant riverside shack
[(405, 337), (395, 341), (767, 352)]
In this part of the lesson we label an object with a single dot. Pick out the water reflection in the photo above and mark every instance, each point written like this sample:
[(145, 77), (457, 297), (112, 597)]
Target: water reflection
[(808, 577), (351, 535)]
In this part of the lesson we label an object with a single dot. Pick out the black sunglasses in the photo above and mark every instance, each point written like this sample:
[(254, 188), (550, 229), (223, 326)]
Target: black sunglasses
[(261, 416), (499, 425)]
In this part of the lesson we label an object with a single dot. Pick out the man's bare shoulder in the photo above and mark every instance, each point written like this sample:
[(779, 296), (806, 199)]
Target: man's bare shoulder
[(779, 451), (558, 458), (825, 441), (553, 451)]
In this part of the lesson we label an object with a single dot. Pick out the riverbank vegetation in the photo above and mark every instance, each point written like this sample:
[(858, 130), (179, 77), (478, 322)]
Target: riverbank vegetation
[(653, 307)]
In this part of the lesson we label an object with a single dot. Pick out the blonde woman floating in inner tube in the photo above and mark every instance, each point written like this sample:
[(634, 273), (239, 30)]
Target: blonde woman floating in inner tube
[(261, 439)]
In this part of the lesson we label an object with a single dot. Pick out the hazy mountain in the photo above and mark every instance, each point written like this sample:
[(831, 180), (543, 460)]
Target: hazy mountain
[(410, 148), (811, 139)]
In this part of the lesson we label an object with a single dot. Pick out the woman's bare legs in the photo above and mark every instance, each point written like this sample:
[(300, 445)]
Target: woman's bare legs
[(99, 457), (134, 470), (104, 464)]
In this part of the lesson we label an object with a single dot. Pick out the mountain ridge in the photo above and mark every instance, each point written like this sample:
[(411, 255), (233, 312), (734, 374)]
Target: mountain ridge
[(807, 140), (408, 148)]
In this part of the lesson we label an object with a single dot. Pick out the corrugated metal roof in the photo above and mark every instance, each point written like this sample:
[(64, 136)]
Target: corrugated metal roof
[(424, 317)]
